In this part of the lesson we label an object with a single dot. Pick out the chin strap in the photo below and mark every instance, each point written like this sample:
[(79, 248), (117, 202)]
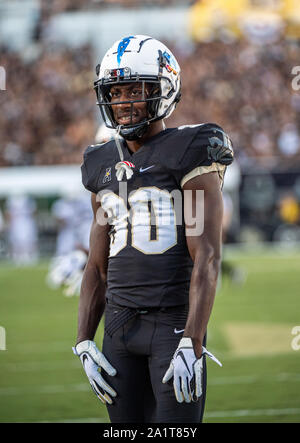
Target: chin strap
[(122, 167), (117, 140)]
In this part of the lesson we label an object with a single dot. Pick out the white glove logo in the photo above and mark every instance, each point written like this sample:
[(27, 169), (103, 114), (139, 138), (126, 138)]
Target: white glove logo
[(92, 360), (186, 371)]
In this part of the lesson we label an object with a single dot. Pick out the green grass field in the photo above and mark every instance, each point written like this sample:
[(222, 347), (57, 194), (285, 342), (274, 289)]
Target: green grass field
[(250, 331)]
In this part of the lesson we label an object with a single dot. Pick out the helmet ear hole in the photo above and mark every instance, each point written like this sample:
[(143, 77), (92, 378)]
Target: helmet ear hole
[(153, 104)]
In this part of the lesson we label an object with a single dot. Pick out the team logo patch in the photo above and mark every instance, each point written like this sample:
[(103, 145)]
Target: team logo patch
[(107, 176)]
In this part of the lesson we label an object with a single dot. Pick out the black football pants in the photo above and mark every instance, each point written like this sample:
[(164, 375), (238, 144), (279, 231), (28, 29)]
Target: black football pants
[(141, 351)]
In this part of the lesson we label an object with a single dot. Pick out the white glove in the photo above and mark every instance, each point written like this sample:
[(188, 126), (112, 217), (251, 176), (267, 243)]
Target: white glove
[(186, 371), (65, 270), (72, 284), (92, 359)]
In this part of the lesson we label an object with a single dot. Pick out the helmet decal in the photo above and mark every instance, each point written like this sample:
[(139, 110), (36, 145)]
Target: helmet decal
[(171, 66), (122, 47)]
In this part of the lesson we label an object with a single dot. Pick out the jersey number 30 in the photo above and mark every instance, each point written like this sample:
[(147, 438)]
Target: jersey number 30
[(152, 220)]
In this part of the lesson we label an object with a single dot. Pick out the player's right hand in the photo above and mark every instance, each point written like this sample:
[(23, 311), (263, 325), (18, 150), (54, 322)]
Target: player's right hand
[(92, 360)]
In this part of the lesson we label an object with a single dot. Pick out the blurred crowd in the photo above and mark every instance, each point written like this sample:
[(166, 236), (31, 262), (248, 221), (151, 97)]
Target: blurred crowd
[(48, 108), (52, 7), (48, 112), (58, 6), (247, 89)]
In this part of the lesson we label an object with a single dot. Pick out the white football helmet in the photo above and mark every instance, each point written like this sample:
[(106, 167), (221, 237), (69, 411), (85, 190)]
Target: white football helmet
[(139, 58)]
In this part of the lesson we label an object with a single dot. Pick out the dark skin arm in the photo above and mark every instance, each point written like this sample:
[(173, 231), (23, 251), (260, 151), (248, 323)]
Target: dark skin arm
[(205, 251), (93, 287)]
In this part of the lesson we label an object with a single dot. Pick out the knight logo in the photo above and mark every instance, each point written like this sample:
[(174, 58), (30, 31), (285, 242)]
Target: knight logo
[(124, 167), (122, 48), (107, 176), (220, 149)]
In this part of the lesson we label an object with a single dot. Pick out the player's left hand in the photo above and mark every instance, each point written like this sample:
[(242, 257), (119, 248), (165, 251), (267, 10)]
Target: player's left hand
[(186, 370)]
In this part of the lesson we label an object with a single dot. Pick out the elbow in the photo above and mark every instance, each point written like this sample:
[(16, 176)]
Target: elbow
[(215, 260), (213, 266), (208, 265)]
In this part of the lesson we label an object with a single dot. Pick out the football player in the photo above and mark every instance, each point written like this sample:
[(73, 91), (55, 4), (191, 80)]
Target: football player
[(152, 266)]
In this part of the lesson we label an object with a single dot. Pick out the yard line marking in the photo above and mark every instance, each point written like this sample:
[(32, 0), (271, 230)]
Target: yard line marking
[(83, 387), (252, 412), (249, 379), (37, 347), (76, 420), (37, 366), (68, 420), (211, 414), (46, 389), (257, 338)]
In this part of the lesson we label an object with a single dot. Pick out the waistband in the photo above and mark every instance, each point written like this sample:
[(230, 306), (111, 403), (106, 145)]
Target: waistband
[(127, 313), (146, 310)]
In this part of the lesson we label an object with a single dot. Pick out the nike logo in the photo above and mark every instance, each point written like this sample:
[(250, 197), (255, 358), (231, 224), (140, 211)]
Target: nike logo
[(180, 354), (178, 331), (146, 169), (84, 359)]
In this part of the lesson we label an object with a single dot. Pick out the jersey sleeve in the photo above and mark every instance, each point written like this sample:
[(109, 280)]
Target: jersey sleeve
[(210, 150), (89, 168)]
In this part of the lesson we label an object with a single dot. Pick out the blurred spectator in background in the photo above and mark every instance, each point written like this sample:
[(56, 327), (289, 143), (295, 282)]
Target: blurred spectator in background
[(46, 118), (22, 229), (227, 214), (74, 216), (63, 212), (289, 140), (289, 209), (1, 221), (248, 89), (234, 273)]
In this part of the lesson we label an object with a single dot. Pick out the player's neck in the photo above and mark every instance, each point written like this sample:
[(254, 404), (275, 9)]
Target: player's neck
[(154, 128)]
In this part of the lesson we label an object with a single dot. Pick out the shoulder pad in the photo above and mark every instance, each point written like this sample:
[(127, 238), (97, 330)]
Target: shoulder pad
[(174, 144)]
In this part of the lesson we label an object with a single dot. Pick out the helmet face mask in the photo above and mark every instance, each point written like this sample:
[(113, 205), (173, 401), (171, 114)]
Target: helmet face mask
[(148, 63)]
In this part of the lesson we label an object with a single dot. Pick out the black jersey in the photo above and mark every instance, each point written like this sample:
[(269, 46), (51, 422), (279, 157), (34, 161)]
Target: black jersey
[(149, 263)]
